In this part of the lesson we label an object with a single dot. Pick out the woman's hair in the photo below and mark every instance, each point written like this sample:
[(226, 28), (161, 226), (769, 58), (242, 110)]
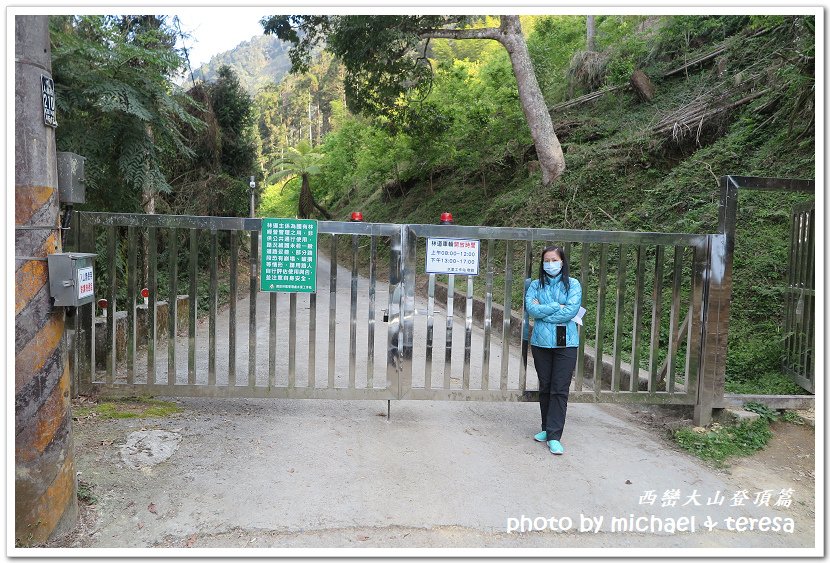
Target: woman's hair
[(566, 280)]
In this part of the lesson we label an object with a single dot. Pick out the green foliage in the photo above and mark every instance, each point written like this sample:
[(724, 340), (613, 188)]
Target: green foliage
[(768, 414), (380, 53), (722, 442), (232, 107), (793, 418), (278, 202), (684, 33), (552, 45), (117, 106), (85, 494), (132, 407)]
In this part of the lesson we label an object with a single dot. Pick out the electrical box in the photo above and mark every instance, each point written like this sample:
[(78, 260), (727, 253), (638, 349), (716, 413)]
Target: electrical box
[(71, 180), (71, 278)]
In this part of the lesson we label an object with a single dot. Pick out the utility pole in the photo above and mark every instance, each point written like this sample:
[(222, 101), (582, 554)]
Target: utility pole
[(45, 492)]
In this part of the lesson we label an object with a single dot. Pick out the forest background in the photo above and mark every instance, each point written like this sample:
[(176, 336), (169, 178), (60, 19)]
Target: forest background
[(462, 144)]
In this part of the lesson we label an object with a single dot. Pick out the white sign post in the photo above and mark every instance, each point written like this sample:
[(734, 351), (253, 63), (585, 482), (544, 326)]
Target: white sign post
[(452, 256)]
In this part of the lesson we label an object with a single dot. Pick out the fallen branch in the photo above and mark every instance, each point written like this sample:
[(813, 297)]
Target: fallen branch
[(696, 113), (587, 97), (710, 55)]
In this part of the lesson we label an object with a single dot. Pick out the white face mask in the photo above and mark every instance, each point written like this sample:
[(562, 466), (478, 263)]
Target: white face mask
[(552, 268)]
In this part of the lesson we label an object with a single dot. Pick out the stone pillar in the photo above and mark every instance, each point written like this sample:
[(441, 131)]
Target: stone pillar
[(45, 482)]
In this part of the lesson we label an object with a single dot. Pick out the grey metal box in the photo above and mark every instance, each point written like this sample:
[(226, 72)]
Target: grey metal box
[(71, 180), (71, 278)]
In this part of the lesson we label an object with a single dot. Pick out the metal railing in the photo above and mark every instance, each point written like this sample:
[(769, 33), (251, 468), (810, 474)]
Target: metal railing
[(635, 345), (799, 307)]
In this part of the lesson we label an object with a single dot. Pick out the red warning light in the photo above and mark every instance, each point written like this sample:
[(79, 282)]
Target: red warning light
[(357, 216), (103, 303), (446, 218), (145, 293)]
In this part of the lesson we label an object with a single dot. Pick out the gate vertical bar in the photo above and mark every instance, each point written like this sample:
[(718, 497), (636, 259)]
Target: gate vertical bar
[(809, 306), (430, 330), (252, 299), (312, 340), (488, 316), (805, 261), (172, 305), (638, 314), (370, 361), (332, 307), (112, 248), (353, 316), (600, 326), (798, 288), (232, 310), (292, 340), (585, 250), (272, 339), (394, 312), (618, 317), (526, 344), (408, 258), (508, 317), (192, 307), (789, 309), (152, 286), (212, 309), (656, 316), (677, 278), (468, 334), (448, 333)]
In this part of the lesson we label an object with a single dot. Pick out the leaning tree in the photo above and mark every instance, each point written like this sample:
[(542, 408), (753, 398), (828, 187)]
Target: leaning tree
[(300, 162), (384, 58)]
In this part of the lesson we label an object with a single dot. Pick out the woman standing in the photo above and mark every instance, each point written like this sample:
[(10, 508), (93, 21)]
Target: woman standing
[(553, 301)]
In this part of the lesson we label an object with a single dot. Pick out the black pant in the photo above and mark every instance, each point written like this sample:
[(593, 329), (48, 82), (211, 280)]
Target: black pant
[(555, 367)]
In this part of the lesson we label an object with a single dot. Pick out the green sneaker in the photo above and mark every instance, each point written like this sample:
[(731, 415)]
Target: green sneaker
[(555, 447), (541, 436)]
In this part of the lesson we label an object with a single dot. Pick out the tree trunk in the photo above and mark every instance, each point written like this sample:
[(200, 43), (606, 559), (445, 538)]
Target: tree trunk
[(551, 158), (307, 204), (148, 203), (591, 42)]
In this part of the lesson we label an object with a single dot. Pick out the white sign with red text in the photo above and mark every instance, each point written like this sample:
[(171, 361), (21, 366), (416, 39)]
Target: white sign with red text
[(85, 283), (452, 256)]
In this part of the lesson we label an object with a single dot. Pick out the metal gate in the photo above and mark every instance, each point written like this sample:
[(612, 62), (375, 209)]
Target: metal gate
[(391, 331), (799, 320)]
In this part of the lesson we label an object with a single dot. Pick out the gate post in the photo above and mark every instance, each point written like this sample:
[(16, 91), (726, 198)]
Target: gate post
[(715, 329), (407, 273), (717, 304), (393, 354)]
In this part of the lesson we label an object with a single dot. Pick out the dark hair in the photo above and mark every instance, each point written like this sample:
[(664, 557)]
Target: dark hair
[(566, 280)]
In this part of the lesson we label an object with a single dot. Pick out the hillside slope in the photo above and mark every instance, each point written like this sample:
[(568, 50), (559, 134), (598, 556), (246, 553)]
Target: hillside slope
[(639, 166)]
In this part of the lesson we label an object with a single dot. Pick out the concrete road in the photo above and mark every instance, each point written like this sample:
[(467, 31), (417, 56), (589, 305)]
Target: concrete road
[(322, 473)]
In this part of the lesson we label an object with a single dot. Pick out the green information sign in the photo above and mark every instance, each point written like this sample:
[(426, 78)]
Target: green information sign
[(289, 255)]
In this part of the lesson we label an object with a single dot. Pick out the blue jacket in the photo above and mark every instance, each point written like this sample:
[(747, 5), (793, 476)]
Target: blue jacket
[(554, 307)]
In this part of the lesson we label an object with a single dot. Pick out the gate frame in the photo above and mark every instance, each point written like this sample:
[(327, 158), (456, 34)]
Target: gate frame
[(715, 275), (719, 298)]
